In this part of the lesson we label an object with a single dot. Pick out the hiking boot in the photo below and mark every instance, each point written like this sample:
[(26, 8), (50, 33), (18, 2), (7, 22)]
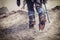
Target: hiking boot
[(41, 27), (31, 24)]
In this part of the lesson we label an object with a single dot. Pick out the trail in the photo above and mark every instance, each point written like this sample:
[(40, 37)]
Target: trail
[(15, 27)]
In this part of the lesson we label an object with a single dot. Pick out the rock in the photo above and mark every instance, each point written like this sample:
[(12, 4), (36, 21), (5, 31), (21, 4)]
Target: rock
[(3, 10), (56, 8)]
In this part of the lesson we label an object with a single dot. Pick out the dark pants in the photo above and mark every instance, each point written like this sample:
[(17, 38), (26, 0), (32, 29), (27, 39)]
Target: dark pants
[(31, 13)]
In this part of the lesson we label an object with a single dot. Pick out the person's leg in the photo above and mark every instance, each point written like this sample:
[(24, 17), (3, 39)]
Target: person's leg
[(41, 21), (42, 18), (31, 14), (31, 19), (38, 5)]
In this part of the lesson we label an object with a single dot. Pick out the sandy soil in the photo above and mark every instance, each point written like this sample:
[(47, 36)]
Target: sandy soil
[(15, 27)]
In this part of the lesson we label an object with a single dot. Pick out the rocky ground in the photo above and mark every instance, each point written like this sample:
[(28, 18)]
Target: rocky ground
[(14, 26)]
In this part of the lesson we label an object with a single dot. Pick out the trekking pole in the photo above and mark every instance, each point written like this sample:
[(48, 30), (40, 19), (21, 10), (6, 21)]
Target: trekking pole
[(47, 13)]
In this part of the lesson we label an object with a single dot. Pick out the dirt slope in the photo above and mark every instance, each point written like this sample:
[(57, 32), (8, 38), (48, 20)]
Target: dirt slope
[(15, 27)]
